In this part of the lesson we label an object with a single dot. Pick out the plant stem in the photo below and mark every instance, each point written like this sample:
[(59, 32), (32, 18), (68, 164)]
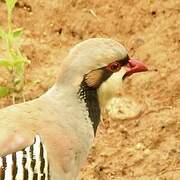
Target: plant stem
[(9, 30), (13, 86), (9, 46)]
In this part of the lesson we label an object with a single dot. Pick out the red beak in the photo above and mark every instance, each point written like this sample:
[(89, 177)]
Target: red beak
[(135, 66)]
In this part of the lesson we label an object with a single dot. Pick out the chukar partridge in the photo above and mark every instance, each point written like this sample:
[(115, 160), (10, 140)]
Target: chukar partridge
[(50, 137)]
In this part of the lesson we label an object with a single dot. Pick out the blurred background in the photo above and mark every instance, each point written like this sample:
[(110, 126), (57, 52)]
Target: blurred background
[(146, 144)]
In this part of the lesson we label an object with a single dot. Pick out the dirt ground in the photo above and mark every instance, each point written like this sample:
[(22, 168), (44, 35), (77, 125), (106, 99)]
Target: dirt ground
[(145, 145)]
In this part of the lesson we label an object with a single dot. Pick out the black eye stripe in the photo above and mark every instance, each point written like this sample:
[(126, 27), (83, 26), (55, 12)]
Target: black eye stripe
[(114, 66), (124, 61), (106, 73)]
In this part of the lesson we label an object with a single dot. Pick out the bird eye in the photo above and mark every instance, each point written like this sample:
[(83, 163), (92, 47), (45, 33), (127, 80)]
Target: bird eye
[(114, 67)]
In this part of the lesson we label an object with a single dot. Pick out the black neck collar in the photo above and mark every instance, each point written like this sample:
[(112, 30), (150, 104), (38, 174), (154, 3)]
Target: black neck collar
[(90, 97)]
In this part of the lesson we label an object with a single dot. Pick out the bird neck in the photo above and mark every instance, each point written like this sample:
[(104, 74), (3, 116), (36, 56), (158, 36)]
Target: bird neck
[(89, 96)]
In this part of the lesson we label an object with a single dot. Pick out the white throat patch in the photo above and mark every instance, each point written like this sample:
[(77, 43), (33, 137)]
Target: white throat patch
[(111, 87)]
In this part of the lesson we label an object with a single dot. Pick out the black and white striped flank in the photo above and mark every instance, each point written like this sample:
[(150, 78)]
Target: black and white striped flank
[(29, 164)]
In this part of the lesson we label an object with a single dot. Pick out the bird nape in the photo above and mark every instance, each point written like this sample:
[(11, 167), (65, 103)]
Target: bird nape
[(64, 120)]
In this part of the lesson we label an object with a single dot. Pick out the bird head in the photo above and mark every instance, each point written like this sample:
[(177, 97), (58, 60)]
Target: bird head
[(101, 64), (94, 70)]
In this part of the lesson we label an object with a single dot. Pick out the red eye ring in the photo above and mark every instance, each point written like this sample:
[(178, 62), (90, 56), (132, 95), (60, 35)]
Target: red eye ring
[(114, 67)]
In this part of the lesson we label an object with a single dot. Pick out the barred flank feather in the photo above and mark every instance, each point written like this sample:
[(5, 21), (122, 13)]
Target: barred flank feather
[(29, 164)]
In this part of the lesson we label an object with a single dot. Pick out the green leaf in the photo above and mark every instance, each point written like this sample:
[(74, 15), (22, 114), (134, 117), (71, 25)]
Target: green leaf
[(11, 4), (17, 32), (20, 69), (18, 58), (5, 63), (13, 54), (17, 81), (2, 33), (10, 37), (4, 91)]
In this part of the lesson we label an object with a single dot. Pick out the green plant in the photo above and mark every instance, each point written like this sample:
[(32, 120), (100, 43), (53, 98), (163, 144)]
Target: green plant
[(14, 62)]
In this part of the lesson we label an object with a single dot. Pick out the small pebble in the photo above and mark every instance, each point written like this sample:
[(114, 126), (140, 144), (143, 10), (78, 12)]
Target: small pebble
[(139, 146)]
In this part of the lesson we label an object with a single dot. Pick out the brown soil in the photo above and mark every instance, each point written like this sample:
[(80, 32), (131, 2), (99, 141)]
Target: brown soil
[(148, 145)]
